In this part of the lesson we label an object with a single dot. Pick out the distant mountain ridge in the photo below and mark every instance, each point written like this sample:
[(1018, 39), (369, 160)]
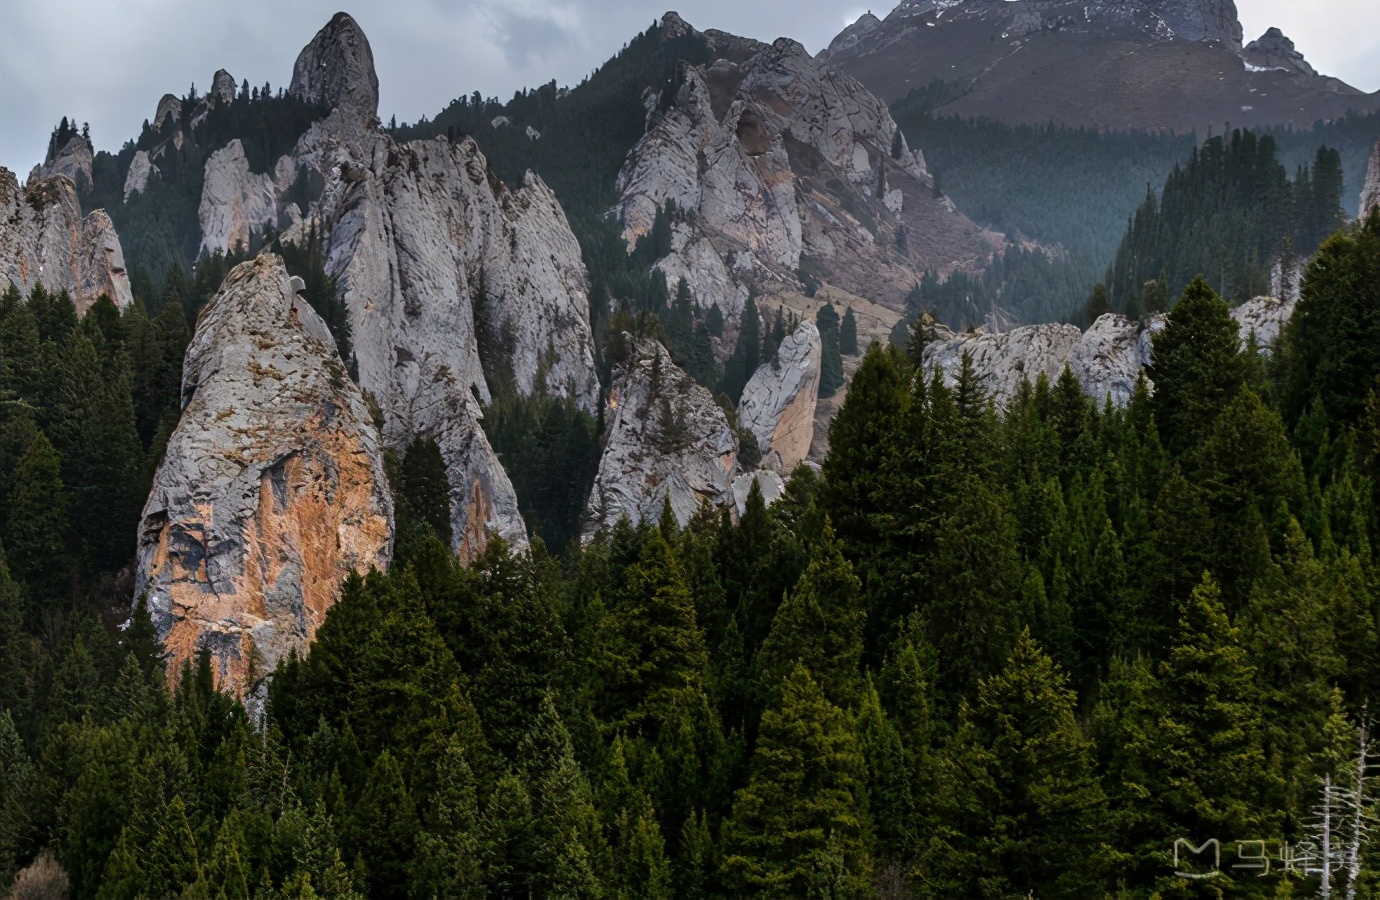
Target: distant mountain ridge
[(1177, 65)]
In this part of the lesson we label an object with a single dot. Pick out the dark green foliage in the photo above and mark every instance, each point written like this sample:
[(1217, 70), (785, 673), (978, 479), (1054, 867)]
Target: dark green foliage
[(830, 358), (976, 655), (1222, 216)]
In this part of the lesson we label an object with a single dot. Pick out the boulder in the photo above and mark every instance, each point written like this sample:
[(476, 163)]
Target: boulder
[(1108, 358), (271, 492), (44, 238), (137, 180), (234, 201), (1370, 191), (337, 70), (778, 403), (1003, 361), (666, 440)]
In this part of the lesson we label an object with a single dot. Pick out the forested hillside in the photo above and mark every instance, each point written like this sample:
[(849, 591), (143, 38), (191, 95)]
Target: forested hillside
[(985, 652), (1073, 191)]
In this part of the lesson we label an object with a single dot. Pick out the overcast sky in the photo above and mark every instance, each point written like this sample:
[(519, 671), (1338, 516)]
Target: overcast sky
[(108, 61)]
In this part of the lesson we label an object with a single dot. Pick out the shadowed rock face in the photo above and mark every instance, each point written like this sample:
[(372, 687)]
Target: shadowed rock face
[(74, 159), (337, 69), (1370, 191), (272, 490), (44, 238), (786, 169), (1107, 359), (223, 87), (667, 439), (1272, 50), (778, 404)]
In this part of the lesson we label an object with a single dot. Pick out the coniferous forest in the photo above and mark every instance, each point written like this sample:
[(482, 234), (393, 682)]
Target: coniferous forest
[(984, 652)]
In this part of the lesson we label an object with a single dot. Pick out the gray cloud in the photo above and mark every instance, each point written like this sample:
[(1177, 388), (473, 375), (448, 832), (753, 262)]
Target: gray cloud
[(108, 61)]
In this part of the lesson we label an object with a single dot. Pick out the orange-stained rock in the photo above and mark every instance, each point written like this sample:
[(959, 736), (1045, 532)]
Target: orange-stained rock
[(272, 490)]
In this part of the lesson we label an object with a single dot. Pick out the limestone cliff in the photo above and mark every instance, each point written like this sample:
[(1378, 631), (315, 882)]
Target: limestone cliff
[(439, 261), (665, 439), (786, 170), (223, 88), (234, 201), (1107, 359), (73, 159), (1370, 191), (137, 179), (44, 238), (272, 489), (337, 69), (778, 404)]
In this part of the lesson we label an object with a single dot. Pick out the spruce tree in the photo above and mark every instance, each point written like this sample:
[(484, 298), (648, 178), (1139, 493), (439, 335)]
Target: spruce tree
[(1197, 368), (800, 827)]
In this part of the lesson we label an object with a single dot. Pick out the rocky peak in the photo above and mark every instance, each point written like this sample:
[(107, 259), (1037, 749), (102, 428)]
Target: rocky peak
[(1200, 20), (673, 26), (1272, 50), (337, 69), (1370, 191), (73, 159), (45, 238), (667, 440), (272, 489), (853, 34), (223, 88), (777, 158), (168, 114), (137, 179)]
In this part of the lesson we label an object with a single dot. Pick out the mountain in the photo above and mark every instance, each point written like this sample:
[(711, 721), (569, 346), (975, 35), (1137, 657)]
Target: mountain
[(778, 172), (1122, 64)]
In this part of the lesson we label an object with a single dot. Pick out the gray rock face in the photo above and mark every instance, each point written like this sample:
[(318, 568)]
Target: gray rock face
[(666, 439), (767, 481), (223, 88), (436, 258), (272, 490), (168, 114), (44, 238), (1370, 191), (1272, 50), (234, 202), (337, 69), (140, 169), (853, 34), (72, 160), (780, 163), (1201, 20), (778, 403), (1107, 359)]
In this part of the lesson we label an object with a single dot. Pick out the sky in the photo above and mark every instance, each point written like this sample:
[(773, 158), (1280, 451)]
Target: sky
[(107, 62)]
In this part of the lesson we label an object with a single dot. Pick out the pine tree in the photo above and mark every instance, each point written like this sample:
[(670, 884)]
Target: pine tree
[(35, 519), (1026, 804), (800, 826), (385, 828), (819, 625), (1197, 368)]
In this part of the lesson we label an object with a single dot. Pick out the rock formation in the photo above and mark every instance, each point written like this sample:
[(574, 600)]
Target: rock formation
[(666, 439), (272, 489), (337, 69), (1272, 50), (853, 34), (44, 238), (73, 160), (168, 114), (778, 404), (785, 169), (1370, 191), (767, 481), (137, 179), (234, 202), (1107, 64), (223, 88), (1107, 359)]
